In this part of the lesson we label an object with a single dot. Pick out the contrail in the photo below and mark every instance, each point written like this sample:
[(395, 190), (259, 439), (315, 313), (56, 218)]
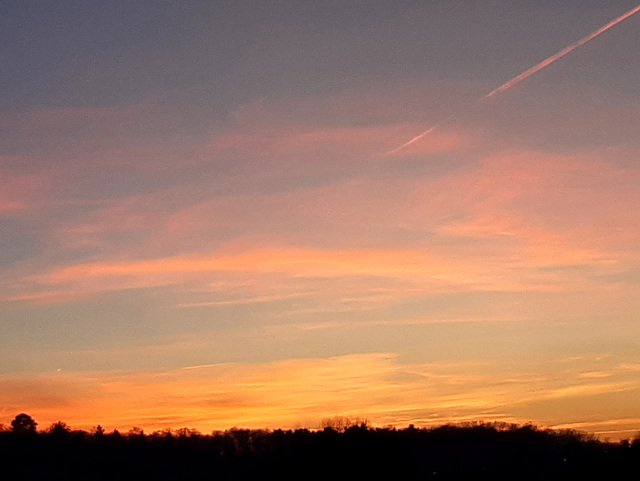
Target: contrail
[(561, 53), (415, 139), (535, 69)]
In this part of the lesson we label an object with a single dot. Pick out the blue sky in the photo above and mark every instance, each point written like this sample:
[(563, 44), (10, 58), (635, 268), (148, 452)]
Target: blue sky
[(188, 185)]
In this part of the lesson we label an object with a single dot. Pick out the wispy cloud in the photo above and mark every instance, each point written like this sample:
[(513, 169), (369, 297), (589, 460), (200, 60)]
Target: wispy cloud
[(294, 261), (480, 226), (299, 392), (19, 191)]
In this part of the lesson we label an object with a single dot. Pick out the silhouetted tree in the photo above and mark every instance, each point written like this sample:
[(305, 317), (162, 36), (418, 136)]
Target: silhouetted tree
[(188, 432), (454, 452), (24, 424), (136, 432), (59, 428), (341, 423)]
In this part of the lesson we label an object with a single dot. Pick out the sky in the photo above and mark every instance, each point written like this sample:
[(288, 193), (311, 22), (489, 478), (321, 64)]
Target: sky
[(212, 214)]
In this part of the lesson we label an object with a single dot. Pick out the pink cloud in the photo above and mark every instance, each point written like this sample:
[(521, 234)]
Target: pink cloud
[(291, 141), (483, 224), (511, 195), (19, 192), (371, 122), (296, 261)]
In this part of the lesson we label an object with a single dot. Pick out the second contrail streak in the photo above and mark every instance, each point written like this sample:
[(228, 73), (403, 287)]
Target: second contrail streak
[(561, 53), (415, 139)]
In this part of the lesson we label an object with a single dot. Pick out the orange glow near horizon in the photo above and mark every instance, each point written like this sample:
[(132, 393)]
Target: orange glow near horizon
[(301, 392)]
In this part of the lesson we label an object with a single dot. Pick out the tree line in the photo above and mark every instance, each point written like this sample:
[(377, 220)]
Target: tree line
[(479, 451)]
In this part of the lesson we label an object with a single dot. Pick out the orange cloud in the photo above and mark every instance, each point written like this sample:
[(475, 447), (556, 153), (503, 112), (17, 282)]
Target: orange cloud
[(301, 392), (294, 261), (283, 393), (616, 428)]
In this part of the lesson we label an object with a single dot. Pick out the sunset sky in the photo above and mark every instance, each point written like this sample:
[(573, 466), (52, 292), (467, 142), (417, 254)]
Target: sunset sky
[(210, 215)]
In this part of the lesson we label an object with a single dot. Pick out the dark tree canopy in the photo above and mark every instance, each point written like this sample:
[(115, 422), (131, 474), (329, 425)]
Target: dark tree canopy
[(24, 424), (59, 428), (479, 452)]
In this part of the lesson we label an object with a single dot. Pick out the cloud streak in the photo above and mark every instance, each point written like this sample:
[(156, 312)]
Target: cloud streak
[(533, 70), (301, 391), (565, 51), (415, 139)]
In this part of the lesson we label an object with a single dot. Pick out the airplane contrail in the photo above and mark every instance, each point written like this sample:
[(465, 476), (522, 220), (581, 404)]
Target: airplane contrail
[(415, 139), (536, 68), (561, 53)]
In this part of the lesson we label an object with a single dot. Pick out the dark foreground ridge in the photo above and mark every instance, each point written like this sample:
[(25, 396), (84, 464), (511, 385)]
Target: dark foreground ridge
[(468, 452)]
